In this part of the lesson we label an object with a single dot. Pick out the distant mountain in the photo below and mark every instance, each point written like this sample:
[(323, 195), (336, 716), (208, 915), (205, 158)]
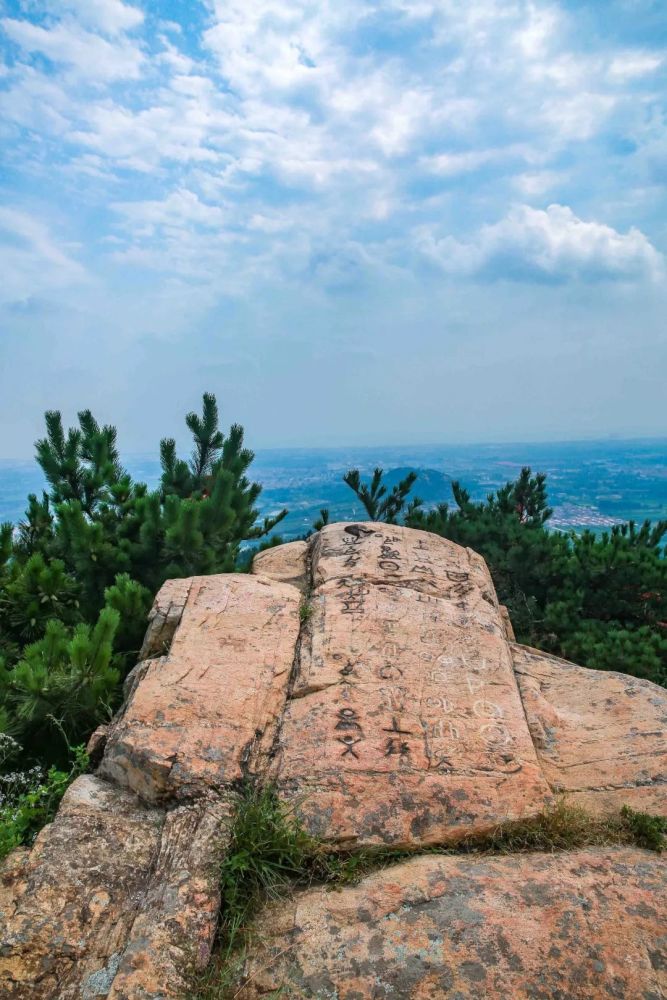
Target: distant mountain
[(331, 492), (431, 486)]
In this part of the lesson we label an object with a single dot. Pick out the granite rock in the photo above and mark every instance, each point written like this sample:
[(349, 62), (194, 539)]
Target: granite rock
[(586, 924), (601, 737), (370, 674)]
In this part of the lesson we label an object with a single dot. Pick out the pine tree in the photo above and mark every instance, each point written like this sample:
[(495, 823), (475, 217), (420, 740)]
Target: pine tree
[(77, 578), (600, 600), (62, 686), (377, 502)]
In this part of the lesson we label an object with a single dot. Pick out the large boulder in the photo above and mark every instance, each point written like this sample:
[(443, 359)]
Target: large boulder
[(369, 675), (71, 911), (587, 924), (199, 715)]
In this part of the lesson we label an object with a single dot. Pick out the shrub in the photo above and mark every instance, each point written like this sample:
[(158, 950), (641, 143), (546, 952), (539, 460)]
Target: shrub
[(30, 799)]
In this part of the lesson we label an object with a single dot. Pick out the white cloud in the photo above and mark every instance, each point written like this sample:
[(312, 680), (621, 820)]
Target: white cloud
[(577, 116), (534, 183), (179, 129), (37, 102), (289, 127), (630, 65), (112, 17), (536, 36), (546, 245), (87, 55), (31, 261), (454, 164), (180, 209)]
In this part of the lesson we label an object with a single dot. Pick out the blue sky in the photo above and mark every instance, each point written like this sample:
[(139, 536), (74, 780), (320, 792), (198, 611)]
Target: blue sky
[(356, 221)]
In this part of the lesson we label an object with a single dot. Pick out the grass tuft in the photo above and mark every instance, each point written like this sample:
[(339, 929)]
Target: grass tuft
[(566, 827), (270, 854), (647, 831), (306, 611)]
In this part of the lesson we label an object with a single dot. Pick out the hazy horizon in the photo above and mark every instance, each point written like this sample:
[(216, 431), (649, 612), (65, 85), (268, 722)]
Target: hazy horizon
[(359, 220), (183, 440)]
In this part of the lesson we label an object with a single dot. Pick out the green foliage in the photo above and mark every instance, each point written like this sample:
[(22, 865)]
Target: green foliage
[(567, 827), (29, 799), (305, 611), (269, 851), (322, 520), (600, 600), (35, 593), (269, 854), (130, 601), (645, 830), (63, 685), (78, 575), (378, 503)]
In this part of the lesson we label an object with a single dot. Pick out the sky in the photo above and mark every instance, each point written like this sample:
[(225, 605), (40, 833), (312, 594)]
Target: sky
[(355, 221)]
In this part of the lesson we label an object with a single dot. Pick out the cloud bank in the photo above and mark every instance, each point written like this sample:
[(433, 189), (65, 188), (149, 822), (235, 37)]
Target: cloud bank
[(254, 156)]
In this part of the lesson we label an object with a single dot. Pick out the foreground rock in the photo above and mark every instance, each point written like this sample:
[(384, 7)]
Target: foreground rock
[(78, 895), (588, 924), (118, 898), (370, 674)]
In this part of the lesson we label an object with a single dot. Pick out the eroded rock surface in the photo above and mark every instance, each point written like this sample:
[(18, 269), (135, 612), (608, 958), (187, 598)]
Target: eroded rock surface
[(165, 617), (221, 688), (118, 898), (405, 724), (370, 673), (78, 895), (601, 737), (173, 930), (586, 925)]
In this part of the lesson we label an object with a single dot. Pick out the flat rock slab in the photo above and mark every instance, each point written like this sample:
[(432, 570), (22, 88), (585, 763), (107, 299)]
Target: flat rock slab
[(404, 724), (600, 736), (587, 924), (79, 892), (390, 555), (201, 713)]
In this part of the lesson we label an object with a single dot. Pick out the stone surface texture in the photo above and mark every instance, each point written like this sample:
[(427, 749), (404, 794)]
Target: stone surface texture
[(78, 894), (287, 563), (371, 674), (221, 687), (164, 617), (600, 736), (588, 924), (404, 724)]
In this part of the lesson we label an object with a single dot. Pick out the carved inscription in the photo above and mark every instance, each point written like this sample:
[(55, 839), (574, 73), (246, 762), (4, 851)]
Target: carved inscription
[(349, 744), (400, 701), (352, 595), (390, 557)]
